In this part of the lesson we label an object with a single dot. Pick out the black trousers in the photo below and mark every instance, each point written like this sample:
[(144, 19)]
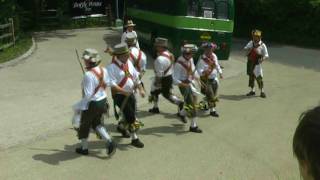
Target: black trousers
[(165, 90), (129, 108), (91, 118)]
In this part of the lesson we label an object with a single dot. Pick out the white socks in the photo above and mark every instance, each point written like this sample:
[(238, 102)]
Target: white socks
[(193, 122), (84, 143), (155, 104), (253, 89), (183, 112), (103, 133), (212, 109), (262, 90), (134, 136)]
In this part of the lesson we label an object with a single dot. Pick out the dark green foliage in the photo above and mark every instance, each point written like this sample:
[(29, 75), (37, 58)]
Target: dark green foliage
[(285, 21), (23, 44), (7, 10)]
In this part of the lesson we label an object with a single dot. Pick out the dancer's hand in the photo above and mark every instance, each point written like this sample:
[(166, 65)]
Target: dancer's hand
[(207, 72), (107, 50), (185, 85), (260, 60), (142, 93), (126, 93)]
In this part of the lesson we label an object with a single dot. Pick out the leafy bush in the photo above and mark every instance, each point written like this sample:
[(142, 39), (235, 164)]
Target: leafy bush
[(285, 21)]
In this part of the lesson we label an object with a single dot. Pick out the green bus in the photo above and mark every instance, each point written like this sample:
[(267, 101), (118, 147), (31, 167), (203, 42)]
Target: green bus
[(184, 21)]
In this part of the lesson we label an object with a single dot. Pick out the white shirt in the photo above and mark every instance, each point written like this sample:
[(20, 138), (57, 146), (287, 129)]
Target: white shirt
[(202, 66), (116, 75), (143, 59), (261, 50), (180, 73), (124, 35), (89, 84), (162, 63)]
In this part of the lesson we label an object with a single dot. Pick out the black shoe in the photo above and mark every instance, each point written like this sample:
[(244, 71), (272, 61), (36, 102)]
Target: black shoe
[(111, 148), (125, 133), (182, 118), (181, 106), (195, 129), (154, 110), (214, 114), (82, 151), (251, 93), (137, 143), (263, 95)]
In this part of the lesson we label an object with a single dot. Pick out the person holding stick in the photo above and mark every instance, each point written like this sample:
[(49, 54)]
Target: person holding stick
[(124, 80), (209, 70), (185, 75), (94, 102)]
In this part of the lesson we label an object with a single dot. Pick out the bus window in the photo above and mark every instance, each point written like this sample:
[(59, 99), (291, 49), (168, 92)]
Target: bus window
[(192, 8), (222, 10), (208, 8)]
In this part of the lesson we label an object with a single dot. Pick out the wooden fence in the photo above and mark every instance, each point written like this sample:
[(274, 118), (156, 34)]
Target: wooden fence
[(7, 36)]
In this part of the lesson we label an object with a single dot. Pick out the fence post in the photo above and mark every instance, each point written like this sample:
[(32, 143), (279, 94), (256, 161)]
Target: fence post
[(12, 31)]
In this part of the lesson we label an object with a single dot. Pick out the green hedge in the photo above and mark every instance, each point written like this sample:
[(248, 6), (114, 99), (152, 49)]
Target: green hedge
[(285, 21), (7, 10)]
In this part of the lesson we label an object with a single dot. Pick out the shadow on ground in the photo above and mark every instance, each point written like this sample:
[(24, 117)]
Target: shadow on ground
[(97, 149), (178, 129), (232, 97), (144, 114)]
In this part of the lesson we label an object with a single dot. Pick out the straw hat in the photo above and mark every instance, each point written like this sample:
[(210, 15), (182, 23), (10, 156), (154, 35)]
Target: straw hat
[(161, 42), (91, 55), (189, 48), (120, 49), (256, 32), (130, 23), (207, 45), (131, 38)]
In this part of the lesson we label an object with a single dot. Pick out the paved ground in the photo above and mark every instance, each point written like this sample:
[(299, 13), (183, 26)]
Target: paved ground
[(251, 139)]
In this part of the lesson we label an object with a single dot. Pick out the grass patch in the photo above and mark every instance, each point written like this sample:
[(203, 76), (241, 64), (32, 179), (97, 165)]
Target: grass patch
[(23, 44)]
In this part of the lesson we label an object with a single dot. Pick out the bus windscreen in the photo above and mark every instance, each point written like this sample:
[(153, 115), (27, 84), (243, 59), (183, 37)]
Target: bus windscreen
[(222, 10), (208, 9)]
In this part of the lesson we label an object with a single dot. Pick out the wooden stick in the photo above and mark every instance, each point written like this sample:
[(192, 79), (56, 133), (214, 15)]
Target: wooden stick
[(80, 62)]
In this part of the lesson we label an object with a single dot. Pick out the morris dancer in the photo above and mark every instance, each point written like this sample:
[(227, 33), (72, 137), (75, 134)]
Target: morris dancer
[(209, 69), (124, 80), (130, 26), (94, 101), (162, 84), (256, 52), (184, 76)]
